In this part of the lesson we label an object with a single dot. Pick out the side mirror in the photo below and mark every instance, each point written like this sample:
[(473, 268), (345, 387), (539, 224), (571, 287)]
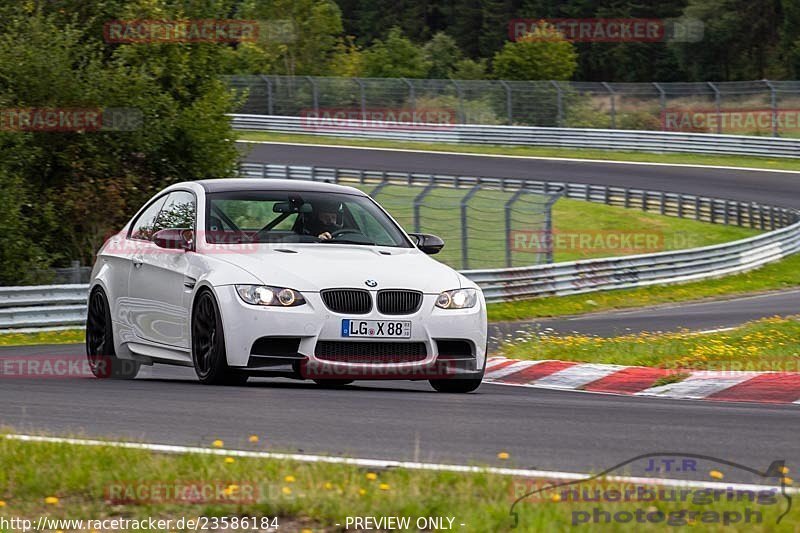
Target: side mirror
[(430, 244), (174, 239)]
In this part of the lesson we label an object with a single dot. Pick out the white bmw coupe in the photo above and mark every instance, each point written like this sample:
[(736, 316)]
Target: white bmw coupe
[(251, 277)]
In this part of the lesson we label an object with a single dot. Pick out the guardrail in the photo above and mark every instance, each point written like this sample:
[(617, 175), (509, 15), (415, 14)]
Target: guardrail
[(600, 139), (52, 306), (714, 210), (43, 306), (637, 271)]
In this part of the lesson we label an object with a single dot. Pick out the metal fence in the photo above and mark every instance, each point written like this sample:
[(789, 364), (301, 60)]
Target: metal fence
[(474, 216), (702, 208), (627, 140), (761, 107)]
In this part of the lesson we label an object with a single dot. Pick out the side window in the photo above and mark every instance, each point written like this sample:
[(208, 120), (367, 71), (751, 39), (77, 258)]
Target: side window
[(178, 212), (143, 227)]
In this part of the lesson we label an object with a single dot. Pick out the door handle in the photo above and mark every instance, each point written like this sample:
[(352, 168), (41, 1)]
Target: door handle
[(137, 261)]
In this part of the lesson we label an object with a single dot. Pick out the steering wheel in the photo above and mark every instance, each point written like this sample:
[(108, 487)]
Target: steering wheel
[(338, 233)]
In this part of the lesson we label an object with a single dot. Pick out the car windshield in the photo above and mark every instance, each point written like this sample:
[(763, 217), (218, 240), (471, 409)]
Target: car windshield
[(299, 217)]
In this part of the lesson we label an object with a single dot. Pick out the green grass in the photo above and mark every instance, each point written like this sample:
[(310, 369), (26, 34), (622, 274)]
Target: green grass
[(693, 159), (572, 220), (771, 344), (783, 274), (305, 496), (67, 336)]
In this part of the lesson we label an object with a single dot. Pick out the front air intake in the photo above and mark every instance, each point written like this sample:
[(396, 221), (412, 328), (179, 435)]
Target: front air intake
[(376, 353)]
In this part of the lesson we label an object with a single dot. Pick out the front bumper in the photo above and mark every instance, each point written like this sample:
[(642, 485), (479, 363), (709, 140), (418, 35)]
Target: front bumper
[(244, 324)]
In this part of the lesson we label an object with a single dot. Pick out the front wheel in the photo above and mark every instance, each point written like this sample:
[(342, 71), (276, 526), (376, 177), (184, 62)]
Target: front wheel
[(208, 344), (456, 385), (103, 360)]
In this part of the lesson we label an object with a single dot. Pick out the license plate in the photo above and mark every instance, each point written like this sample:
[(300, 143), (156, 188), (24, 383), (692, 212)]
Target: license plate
[(395, 329)]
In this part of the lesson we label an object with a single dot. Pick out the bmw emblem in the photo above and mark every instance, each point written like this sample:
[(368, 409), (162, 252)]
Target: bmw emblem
[(371, 283)]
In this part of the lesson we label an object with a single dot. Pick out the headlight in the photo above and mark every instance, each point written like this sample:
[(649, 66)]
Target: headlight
[(266, 295), (457, 299)]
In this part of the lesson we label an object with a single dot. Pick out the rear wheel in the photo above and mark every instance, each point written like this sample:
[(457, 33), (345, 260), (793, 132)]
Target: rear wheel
[(208, 344), (103, 360)]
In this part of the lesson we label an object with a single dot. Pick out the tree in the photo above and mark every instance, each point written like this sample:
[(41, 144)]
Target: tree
[(740, 39), (347, 60), (396, 57), (299, 37), (543, 54), (469, 69), (80, 186), (442, 53)]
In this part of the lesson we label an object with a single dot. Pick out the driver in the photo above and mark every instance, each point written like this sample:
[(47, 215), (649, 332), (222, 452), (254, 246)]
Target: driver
[(325, 220)]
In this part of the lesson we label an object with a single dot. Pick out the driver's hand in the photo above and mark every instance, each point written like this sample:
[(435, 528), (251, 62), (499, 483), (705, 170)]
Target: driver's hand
[(325, 236)]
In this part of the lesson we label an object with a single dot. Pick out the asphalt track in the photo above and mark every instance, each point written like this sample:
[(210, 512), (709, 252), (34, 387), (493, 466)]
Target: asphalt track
[(697, 316), (541, 429), (772, 187)]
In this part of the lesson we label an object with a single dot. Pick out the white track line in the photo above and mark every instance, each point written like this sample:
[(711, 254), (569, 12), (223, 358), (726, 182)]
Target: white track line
[(576, 376), (717, 330), (699, 385), (533, 157), (377, 463)]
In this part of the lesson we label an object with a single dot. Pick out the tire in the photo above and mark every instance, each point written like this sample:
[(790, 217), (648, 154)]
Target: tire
[(208, 344), (103, 360), (333, 383), (456, 385)]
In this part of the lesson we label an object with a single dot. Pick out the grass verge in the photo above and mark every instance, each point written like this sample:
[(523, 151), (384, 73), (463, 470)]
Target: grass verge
[(62, 336), (79, 482), (783, 274), (771, 344), (530, 151)]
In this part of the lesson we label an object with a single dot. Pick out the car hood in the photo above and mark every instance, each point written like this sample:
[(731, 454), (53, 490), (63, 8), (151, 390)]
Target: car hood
[(315, 267)]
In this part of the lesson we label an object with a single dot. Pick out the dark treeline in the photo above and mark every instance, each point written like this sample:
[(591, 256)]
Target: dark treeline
[(744, 39)]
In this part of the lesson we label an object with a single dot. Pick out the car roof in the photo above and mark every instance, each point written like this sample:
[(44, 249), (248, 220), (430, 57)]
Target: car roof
[(269, 184)]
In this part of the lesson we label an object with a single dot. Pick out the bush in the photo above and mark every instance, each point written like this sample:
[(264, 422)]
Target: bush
[(478, 111), (639, 120)]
